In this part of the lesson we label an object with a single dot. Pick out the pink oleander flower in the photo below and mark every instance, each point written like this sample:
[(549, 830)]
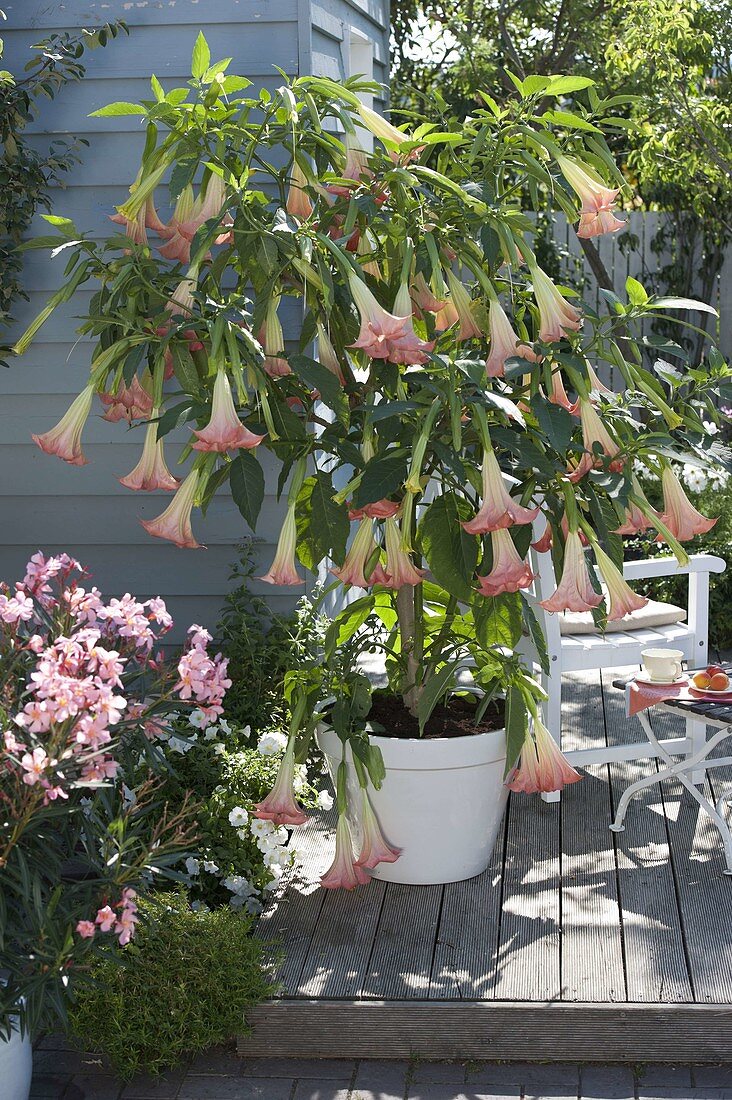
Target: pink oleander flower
[(343, 873), (509, 572), (542, 766), (280, 806), (224, 431), (298, 204), (65, 439), (598, 200), (679, 514), (462, 304), (283, 569), (16, 609), (272, 339), (556, 315), (86, 929), (129, 403), (151, 472), (327, 353), (504, 342), (399, 567), (574, 592), (353, 570), (106, 918), (558, 396), (379, 509), (374, 846), (124, 927), (498, 509), (637, 519), (174, 523), (34, 764), (594, 431), (385, 335), (622, 599)]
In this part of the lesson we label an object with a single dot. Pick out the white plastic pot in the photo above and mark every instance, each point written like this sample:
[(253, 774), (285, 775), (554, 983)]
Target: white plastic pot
[(441, 802), (16, 1066)]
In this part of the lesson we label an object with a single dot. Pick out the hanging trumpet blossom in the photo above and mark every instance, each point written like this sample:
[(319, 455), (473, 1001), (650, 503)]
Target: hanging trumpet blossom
[(151, 472), (174, 524), (272, 339), (355, 170), (446, 317), (638, 516), (622, 599), (360, 552), (129, 403), (64, 440), (380, 128), (574, 591), (280, 806), (399, 567), (596, 386), (594, 431), (283, 570), (542, 766), (384, 335), (344, 873), (298, 204), (179, 246), (423, 298), (408, 350), (498, 509), (181, 300), (558, 395), (679, 514), (598, 200), (556, 315), (462, 303), (509, 572), (504, 344), (374, 847), (327, 353), (224, 431)]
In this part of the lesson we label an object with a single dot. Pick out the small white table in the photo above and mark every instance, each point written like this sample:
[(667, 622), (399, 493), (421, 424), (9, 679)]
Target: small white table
[(718, 715)]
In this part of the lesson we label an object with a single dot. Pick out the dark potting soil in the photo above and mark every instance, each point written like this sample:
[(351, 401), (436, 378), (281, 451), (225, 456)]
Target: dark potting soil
[(456, 719)]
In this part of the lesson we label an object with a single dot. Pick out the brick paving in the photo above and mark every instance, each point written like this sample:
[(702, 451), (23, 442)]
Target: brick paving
[(61, 1074)]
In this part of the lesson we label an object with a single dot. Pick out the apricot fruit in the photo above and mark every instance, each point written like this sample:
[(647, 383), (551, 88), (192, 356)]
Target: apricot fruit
[(701, 680), (720, 682)]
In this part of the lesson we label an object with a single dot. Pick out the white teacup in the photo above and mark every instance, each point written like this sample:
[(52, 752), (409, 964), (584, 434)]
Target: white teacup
[(662, 665)]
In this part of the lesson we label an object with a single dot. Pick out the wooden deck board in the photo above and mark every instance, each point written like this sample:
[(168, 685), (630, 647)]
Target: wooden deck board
[(401, 961), (328, 970)]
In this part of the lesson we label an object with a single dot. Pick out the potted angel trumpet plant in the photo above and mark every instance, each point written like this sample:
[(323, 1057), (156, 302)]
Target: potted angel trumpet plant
[(447, 362)]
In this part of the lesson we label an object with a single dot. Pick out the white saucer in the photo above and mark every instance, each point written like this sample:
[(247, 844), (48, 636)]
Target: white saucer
[(726, 692), (643, 678)]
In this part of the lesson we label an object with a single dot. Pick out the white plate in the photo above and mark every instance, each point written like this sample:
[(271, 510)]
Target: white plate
[(642, 678), (710, 691)]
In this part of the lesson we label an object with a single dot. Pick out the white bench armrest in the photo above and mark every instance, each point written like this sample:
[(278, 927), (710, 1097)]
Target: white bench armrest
[(667, 567)]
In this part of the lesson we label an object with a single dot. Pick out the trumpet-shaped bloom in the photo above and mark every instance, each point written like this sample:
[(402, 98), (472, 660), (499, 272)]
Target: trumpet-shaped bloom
[(181, 300), (594, 431), (559, 396), (598, 200), (327, 353), (65, 439), (509, 572), (622, 599), (679, 514), (374, 847), (409, 349), (298, 203), (596, 386), (224, 431), (556, 315), (498, 509), (353, 570), (384, 335), (380, 128), (151, 472), (504, 342), (280, 806), (129, 403), (343, 873), (423, 298), (379, 509), (283, 569), (399, 567), (574, 592), (174, 523), (462, 303), (272, 339), (543, 544), (542, 766), (446, 317), (637, 519)]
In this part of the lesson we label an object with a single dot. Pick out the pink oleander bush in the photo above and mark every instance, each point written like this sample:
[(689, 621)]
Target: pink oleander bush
[(85, 694)]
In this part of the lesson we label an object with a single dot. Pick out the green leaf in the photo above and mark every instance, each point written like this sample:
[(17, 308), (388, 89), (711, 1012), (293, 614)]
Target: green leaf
[(185, 369), (451, 553), (157, 89), (174, 416), (201, 57), (498, 620), (346, 623), (681, 303), (433, 690), (317, 377), (329, 523), (382, 475), (214, 70), (516, 726), (535, 633), (555, 422), (247, 486), (635, 291), (561, 85), (571, 121), (113, 110)]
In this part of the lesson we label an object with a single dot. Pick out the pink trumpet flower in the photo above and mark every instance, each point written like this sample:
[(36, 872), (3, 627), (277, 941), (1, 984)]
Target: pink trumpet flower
[(446, 317), (379, 509), (637, 519), (298, 203), (410, 350), (399, 567), (598, 200), (543, 544), (374, 847), (355, 170), (65, 439), (283, 570), (504, 342), (542, 766), (130, 403), (556, 315), (423, 298), (559, 396), (679, 514), (181, 300), (462, 302), (622, 599), (384, 335), (280, 806), (499, 509), (343, 873), (509, 572), (151, 472), (574, 592), (327, 353), (272, 339), (179, 246), (594, 431), (174, 524), (353, 570), (596, 386), (224, 431), (381, 129)]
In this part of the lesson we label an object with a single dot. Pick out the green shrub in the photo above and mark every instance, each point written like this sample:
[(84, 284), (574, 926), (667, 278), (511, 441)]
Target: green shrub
[(185, 983)]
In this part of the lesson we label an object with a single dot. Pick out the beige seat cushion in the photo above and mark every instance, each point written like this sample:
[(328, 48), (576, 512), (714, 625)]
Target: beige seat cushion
[(653, 614)]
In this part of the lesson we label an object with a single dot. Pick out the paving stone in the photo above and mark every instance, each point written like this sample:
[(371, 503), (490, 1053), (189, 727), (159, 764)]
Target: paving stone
[(235, 1088), (607, 1083), (96, 1086), (162, 1087), (312, 1089), (321, 1069), (53, 1042), (672, 1093), (377, 1080), (655, 1075), (716, 1077), (550, 1082), (219, 1061), (59, 1062), (49, 1086), (438, 1073), (445, 1091), (506, 1074)]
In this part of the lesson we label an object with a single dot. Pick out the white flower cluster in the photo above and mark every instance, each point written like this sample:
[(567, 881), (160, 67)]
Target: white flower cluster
[(693, 478)]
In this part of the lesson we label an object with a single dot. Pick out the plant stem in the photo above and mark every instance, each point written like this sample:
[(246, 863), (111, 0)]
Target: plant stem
[(405, 605)]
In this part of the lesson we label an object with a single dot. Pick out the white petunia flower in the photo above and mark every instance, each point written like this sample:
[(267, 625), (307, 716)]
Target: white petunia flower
[(695, 479), (193, 866), (238, 817), (211, 733), (261, 828), (325, 800), (253, 906), (300, 781), (242, 834), (224, 726), (210, 866), (219, 748), (197, 719), (181, 745), (710, 427), (272, 743)]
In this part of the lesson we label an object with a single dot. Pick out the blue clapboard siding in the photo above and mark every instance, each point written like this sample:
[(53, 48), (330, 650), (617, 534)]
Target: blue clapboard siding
[(43, 502)]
